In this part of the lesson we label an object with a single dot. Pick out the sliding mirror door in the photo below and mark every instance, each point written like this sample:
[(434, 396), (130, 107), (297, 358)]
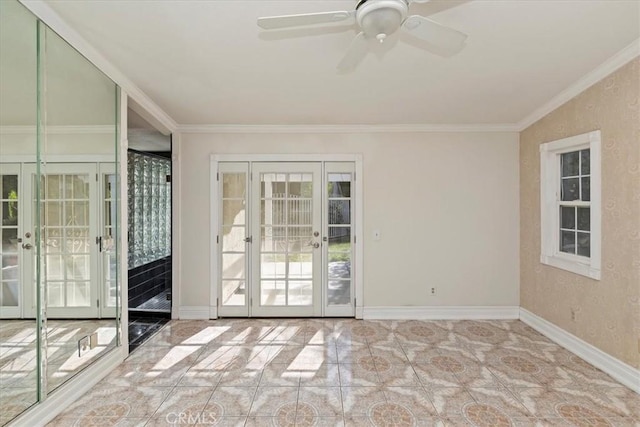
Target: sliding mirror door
[(18, 145), (78, 208)]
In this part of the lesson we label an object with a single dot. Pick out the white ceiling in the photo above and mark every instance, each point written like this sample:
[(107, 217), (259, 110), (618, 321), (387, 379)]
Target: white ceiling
[(207, 62)]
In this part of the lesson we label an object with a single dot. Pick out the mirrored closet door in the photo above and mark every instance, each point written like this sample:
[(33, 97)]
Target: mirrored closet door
[(59, 204)]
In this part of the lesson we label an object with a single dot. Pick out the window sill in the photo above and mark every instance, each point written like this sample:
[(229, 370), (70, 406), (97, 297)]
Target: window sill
[(583, 269)]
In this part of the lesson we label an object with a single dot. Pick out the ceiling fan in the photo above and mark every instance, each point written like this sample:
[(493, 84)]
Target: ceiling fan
[(376, 20)]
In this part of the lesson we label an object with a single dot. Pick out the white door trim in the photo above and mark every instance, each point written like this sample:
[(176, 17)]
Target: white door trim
[(215, 159)]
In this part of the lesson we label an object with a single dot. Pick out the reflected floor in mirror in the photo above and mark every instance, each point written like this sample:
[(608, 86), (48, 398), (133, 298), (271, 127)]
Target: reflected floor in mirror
[(345, 372), (18, 363), (18, 367)]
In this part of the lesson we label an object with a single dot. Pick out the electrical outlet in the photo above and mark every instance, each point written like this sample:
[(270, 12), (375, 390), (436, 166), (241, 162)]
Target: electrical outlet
[(432, 292), (573, 315), (638, 345)]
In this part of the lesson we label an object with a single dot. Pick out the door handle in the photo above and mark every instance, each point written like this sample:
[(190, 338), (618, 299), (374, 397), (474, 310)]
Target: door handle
[(316, 245), (27, 246)]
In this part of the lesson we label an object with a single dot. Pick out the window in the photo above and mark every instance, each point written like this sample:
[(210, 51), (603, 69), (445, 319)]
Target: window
[(570, 202)]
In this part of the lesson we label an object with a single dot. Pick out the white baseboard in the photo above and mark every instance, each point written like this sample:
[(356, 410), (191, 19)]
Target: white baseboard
[(70, 392), (193, 312), (442, 312), (626, 374)]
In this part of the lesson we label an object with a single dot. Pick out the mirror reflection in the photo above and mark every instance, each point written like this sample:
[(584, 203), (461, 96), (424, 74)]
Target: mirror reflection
[(59, 210), (78, 210), (149, 228), (18, 108)]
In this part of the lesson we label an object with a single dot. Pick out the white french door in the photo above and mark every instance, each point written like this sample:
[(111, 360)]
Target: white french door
[(284, 241), (68, 215), (107, 243), (286, 255), (14, 243)]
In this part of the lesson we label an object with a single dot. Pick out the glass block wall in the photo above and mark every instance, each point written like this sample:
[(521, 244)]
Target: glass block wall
[(149, 200)]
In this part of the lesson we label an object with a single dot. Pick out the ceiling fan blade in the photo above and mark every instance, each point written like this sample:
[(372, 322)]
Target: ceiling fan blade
[(288, 21), (355, 54), (436, 34)]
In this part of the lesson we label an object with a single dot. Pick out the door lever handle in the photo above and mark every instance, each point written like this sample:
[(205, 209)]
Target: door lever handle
[(27, 246)]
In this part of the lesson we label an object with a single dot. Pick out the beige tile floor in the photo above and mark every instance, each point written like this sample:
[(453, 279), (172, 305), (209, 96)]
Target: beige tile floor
[(353, 373)]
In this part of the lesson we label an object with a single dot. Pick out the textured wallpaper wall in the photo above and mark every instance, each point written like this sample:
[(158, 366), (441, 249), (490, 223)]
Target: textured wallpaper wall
[(607, 311)]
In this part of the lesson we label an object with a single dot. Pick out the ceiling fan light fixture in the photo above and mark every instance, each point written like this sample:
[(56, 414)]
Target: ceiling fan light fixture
[(380, 18)]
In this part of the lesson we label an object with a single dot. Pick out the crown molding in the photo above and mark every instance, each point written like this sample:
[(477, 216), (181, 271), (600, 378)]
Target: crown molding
[(43, 11), (618, 60), (346, 128), (59, 130)]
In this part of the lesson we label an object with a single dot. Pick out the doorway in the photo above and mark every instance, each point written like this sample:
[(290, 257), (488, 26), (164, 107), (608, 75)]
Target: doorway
[(285, 239)]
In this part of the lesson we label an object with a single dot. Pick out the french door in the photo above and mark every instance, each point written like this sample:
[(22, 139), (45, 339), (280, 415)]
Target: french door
[(68, 229), (285, 239), (14, 245)]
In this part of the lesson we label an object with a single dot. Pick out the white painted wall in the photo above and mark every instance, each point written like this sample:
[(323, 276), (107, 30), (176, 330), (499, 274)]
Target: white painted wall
[(24, 143), (447, 206)]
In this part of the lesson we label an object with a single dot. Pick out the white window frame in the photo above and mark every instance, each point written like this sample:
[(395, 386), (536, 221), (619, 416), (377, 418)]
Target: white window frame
[(549, 203)]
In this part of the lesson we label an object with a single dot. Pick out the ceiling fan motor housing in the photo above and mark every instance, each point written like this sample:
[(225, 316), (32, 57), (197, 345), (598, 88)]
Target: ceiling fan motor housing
[(380, 18)]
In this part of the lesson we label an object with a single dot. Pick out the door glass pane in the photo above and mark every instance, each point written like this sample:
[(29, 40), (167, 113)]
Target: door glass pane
[(339, 212), (78, 294), (339, 292), (273, 292), (273, 266), (233, 292), (339, 185), (300, 292), (273, 239), (299, 212), (234, 185), (300, 185), (233, 239), (299, 239), (9, 294), (273, 185), (233, 266), (233, 212), (300, 265)]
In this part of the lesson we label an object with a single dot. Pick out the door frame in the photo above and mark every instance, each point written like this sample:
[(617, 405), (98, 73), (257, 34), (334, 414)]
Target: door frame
[(358, 261)]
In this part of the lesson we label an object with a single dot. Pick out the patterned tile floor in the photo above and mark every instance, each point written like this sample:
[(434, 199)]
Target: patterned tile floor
[(353, 373)]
